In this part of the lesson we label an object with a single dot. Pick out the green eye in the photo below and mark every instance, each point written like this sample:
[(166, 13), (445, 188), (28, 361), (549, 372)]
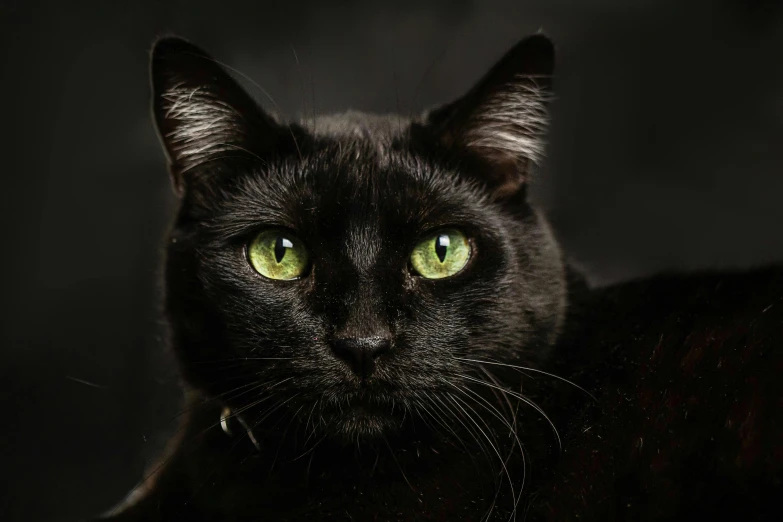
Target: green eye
[(277, 254), (442, 255)]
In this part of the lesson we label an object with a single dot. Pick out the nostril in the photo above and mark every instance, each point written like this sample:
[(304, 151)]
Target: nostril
[(360, 353), (376, 346)]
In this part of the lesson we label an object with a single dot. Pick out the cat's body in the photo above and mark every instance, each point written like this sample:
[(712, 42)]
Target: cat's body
[(368, 375), (687, 421)]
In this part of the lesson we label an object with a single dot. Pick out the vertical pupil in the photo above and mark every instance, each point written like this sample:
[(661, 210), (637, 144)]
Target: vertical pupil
[(442, 246), (281, 245)]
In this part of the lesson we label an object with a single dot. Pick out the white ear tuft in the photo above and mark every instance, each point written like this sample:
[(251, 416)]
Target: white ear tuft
[(512, 123), (500, 124), (202, 114)]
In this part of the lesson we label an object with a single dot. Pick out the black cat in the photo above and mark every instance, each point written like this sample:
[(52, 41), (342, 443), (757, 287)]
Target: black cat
[(373, 323)]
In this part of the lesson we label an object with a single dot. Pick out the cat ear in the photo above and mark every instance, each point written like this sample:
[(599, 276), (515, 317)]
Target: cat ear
[(202, 114), (500, 123)]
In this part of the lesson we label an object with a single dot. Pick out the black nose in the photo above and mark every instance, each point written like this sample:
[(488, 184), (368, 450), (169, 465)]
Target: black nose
[(360, 353)]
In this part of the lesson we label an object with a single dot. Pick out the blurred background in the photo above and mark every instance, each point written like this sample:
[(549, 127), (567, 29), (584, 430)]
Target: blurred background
[(666, 153)]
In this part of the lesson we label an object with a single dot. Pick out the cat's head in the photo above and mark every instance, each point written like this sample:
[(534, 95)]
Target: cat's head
[(350, 271)]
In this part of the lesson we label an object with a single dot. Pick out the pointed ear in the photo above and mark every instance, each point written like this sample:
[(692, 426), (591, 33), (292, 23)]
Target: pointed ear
[(499, 125), (202, 114)]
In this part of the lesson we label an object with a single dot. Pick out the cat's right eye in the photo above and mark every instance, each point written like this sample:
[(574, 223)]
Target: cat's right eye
[(278, 254)]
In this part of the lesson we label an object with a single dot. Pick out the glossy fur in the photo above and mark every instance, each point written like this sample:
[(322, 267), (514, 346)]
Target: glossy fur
[(447, 425)]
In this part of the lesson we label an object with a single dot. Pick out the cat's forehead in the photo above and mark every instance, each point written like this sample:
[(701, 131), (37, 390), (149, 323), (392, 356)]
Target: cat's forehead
[(374, 131), (344, 186), (358, 125), (352, 190)]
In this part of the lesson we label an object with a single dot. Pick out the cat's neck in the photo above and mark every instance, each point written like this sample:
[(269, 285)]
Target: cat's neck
[(295, 476)]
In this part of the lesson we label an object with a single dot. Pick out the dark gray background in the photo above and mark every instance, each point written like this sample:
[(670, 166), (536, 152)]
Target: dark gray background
[(665, 153)]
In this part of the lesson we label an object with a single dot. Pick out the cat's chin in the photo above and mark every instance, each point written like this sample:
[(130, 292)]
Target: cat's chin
[(364, 423)]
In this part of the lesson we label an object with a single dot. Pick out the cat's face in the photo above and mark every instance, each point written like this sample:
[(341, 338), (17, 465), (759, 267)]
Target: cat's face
[(346, 275)]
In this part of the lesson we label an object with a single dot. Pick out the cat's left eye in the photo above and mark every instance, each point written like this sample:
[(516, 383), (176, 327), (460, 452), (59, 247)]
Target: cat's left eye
[(278, 254), (443, 254)]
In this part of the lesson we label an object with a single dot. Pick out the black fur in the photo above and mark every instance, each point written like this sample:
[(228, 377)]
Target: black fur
[(435, 431), (687, 422)]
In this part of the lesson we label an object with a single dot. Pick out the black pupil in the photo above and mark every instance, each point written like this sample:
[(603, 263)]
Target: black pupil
[(442, 246), (281, 245)]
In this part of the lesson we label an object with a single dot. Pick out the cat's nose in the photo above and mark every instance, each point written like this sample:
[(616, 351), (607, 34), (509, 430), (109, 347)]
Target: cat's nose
[(360, 353)]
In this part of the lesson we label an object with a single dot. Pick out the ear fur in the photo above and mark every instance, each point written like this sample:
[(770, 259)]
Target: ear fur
[(202, 114), (502, 120)]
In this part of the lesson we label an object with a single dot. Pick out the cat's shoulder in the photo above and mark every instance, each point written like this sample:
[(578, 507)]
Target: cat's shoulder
[(685, 372)]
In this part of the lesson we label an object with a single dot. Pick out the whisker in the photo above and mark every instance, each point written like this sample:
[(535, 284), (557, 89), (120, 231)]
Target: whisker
[(506, 401), (456, 400), (270, 411), (496, 413), (232, 359), (311, 450), (309, 418), (391, 451), (524, 399), (226, 395), (513, 366), (450, 429), (448, 412), (518, 442), (282, 438)]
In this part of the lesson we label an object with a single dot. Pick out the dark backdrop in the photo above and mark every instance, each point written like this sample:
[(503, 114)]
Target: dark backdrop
[(665, 153)]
